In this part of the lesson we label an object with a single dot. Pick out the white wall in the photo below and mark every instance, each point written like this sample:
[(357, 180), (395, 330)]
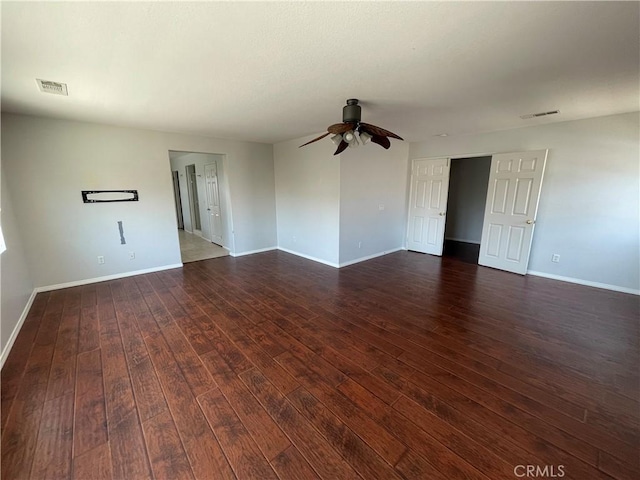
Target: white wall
[(589, 211), (370, 177), (48, 162), (179, 164), (468, 182), (15, 278), (308, 199)]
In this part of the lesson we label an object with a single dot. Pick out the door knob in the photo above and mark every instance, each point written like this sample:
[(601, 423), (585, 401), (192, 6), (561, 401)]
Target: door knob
[(442, 214), (530, 222)]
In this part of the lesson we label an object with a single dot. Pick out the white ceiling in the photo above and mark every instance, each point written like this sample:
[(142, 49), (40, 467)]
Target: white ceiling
[(270, 71)]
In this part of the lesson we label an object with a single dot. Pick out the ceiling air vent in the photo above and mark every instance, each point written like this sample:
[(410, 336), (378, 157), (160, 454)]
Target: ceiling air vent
[(541, 114), (57, 88)]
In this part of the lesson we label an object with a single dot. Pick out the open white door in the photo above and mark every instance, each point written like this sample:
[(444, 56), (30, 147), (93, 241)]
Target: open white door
[(428, 205), (213, 202), (510, 213)]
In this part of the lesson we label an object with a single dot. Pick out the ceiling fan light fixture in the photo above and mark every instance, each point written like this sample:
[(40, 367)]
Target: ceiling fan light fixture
[(346, 134), (365, 137), (349, 137)]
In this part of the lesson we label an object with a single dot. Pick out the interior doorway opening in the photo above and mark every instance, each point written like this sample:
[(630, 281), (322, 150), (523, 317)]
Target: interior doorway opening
[(468, 186), (203, 208), (511, 206)]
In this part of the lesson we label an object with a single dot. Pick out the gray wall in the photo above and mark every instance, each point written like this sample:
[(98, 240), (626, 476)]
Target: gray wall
[(589, 211), (15, 277), (308, 199), (48, 163), (468, 182), (328, 206), (370, 177)]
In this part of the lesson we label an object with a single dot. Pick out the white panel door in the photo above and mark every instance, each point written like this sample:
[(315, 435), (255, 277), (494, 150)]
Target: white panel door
[(428, 205), (213, 202), (510, 213)]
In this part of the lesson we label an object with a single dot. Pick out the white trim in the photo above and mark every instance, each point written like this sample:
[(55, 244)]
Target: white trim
[(587, 283), (475, 242), (251, 252), (16, 329), (309, 257), (105, 278), (343, 264), (369, 257)]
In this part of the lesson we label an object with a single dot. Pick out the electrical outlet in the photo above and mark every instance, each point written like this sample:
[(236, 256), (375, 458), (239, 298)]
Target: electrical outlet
[(132, 255), (555, 258), (100, 260), (381, 206), (294, 239)]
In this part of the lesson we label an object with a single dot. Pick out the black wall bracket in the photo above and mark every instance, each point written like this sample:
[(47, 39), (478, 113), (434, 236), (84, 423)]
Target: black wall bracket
[(103, 196)]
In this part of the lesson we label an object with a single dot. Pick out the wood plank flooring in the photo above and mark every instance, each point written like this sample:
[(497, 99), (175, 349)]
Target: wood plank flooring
[(271, 366)]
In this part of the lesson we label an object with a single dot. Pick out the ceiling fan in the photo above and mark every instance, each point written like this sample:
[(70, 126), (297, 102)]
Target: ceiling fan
[(345, 132)]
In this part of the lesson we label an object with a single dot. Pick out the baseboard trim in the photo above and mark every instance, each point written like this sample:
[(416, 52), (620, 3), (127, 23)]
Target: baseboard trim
[(369, 257), (343, 264), (587, 283), (309, 257), (251, 252), (17, 328), (87, 281)]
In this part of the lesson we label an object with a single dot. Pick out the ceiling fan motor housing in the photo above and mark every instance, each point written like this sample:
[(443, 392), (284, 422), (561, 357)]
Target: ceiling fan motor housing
[(352, 112)]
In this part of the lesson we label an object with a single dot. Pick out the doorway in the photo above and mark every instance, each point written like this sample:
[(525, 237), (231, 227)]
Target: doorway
[(468, 185), (202, 196), (510, 209)]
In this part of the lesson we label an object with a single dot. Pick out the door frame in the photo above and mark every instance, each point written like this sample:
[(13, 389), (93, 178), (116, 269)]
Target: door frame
[(175, 176), (450, 157)]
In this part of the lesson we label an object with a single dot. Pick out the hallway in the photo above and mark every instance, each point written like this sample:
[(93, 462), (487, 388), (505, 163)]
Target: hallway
[(194, 248)]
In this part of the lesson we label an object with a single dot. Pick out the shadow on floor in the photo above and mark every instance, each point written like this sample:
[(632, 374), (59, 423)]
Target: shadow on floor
[(466, 252)]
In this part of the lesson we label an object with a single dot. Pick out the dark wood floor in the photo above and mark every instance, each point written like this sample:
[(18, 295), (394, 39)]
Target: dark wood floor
[(272, 366)]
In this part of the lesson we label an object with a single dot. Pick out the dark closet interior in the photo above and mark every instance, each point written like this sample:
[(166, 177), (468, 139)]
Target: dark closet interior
[(468, 185)]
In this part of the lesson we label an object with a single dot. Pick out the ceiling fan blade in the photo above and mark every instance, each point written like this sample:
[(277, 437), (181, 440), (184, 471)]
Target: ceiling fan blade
[(381, 132), (384, 142), (316, 139), (342, 147), (339, 128)]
